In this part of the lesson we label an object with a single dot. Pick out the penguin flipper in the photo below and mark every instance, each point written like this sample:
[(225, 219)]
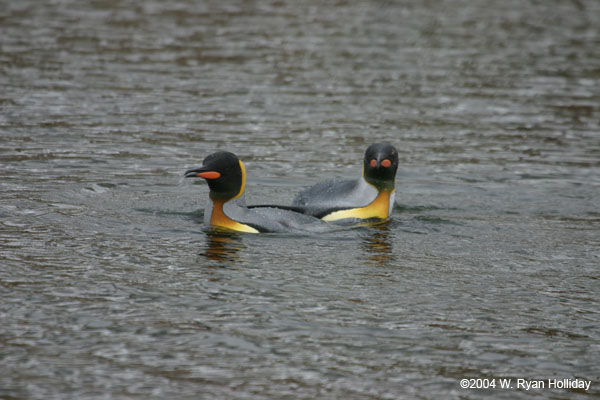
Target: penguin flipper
[(298, 209), (310, 211)]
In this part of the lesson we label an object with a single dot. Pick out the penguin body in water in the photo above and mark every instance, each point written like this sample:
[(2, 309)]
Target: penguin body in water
[(226, 178), (370, 197)]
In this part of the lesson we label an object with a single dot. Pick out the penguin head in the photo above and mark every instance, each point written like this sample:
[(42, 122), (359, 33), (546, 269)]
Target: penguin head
[(224, 173), (380, 165)]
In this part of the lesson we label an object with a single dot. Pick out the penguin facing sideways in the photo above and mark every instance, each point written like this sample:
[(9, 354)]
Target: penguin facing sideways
[(370, 197), (226, 177)]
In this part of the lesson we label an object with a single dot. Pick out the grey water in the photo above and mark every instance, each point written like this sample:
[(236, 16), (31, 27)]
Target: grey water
[(112, 288)]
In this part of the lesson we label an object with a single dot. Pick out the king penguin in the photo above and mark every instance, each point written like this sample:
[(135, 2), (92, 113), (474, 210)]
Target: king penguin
[(226, 178), (370, 197)]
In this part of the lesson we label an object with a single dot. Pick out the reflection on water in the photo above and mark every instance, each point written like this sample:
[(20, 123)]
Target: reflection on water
[(222, 246), (378, 245)]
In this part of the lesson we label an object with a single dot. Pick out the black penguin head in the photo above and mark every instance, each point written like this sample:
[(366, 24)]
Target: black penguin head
[(224, 173), (380, 165)]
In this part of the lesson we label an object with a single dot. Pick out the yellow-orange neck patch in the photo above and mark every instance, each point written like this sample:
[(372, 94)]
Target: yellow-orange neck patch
[(219, 218), (378, 208)]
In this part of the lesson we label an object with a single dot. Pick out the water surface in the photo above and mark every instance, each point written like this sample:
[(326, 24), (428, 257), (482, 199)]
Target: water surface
[(111, 286)]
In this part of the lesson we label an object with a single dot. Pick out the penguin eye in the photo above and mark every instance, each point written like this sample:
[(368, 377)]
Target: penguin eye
[(373, 163), (386, 163)]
